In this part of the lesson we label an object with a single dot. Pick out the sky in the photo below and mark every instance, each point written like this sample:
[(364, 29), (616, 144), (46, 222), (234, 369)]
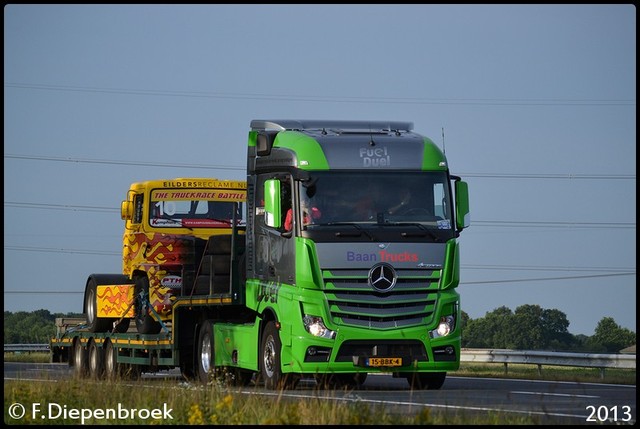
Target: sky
[(534, 105)]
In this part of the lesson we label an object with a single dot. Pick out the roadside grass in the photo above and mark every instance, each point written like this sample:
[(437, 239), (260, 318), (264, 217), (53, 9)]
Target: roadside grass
[(75, 401), (33, 357)]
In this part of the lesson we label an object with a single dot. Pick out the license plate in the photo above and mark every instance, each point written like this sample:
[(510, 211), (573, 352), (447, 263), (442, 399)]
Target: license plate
[(384, 362)]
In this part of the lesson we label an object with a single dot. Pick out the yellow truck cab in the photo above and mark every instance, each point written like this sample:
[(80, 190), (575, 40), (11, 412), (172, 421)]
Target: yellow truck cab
[(168, 224)]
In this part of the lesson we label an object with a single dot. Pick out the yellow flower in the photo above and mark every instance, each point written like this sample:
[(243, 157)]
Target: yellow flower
[(195, 415)]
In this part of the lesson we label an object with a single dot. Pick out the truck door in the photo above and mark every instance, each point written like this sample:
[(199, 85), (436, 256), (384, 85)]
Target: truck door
[(275, 250)]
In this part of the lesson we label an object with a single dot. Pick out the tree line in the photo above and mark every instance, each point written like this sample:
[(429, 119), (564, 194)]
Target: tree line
[(529, 327)]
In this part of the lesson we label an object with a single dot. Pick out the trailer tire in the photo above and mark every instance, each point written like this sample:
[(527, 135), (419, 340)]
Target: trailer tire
[(426, 380), (112, 369), (94, 323), (95, 359), (206, 353), (79, 356), (145, 321)]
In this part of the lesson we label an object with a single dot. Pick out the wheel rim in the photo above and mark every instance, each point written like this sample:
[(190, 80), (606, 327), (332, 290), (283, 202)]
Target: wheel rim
[(205, 354), (109, 365), (91, 306), (93, 359), (77, 356), (269, 357)]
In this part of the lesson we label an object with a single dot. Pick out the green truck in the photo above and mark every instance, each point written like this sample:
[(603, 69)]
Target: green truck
[(345, 263)]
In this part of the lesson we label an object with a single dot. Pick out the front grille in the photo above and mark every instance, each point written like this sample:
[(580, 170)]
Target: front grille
[(353, 302), (413, 350)]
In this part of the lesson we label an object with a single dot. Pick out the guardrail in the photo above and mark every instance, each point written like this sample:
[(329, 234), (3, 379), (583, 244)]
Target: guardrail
[(26, 348), (504, 356), (539, 358)]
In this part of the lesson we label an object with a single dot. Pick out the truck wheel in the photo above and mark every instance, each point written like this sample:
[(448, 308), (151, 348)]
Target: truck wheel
[(270, 361), (79, 356), (145, 322), (426, 380), (95, 360), (94, 323), (206, 353)]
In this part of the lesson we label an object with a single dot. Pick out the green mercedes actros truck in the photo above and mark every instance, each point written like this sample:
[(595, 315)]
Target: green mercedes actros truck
[(346, 264)]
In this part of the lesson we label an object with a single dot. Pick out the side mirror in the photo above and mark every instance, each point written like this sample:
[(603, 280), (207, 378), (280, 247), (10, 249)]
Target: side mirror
[(272, 203), (264, 142), (126, 210), (463, 218)]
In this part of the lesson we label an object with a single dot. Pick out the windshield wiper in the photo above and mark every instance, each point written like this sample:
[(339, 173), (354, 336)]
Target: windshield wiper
[(419, 225), (177, 222), (355, 225)]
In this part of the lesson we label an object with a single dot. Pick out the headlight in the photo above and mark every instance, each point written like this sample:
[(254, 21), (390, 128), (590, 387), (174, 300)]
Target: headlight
[(446, 325), (315, 326)]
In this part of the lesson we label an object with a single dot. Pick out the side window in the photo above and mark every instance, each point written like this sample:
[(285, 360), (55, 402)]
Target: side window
[(286, 208), (440, 200), (138, 200)]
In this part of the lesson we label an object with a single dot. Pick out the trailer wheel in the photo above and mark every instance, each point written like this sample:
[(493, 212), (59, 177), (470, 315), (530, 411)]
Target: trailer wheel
[(145, 321), (111, 366), (94, 323), (270, 361), (79, 356), (206, 353), (426, 380), (95, 360)]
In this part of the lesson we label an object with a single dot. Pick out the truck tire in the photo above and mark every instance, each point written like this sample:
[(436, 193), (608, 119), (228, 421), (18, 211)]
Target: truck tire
[(270, 360), (95, 360), (206, 353), (94, 323), (426, 380), (145, 321), (102, 324)]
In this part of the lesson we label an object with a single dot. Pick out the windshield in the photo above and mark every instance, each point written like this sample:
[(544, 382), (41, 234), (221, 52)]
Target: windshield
[(195, 208), (373, 198)]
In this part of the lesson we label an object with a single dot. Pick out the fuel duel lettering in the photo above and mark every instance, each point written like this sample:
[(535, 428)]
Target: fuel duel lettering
[(382, 256), (375, 157)]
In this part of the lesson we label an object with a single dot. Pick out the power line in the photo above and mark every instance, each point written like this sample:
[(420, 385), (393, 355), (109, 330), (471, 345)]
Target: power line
[(57, 250), (60, 207), (534, 224), (461, 283), (547, 279), (116, 162), (329, 99), (486, 223), (569, 176), (549, 176), (544, 268), (615, 270)]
